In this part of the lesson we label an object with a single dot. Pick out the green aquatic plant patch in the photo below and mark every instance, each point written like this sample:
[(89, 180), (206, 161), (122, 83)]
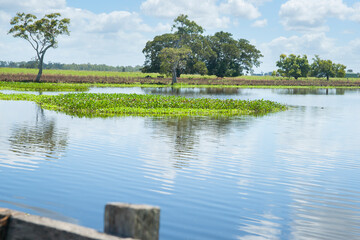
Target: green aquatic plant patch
[(104, 105), (32, 86)]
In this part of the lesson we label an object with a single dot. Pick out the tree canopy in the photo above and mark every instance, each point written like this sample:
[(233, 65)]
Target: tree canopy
[(219, 54), (293, 66), (40, 33), (326, 68), (296, 66)]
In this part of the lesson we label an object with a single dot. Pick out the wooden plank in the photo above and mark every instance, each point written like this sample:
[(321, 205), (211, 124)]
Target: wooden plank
[(3, 227)]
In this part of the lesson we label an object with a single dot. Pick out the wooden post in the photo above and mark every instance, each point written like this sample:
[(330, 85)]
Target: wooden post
[(134, 221)]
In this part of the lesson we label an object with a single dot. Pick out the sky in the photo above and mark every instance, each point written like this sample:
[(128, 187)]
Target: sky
[(114, 32)]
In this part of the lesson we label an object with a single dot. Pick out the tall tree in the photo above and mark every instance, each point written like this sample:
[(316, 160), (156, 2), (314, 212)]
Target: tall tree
[(40, 33), (186, 34), (293, 66)]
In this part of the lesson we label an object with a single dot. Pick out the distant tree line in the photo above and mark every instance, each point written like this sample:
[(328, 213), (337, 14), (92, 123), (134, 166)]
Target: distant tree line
[(73, 66), (297, 66)]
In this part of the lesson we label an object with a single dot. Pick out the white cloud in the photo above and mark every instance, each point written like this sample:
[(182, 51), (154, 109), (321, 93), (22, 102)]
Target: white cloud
[(204, 12), (260, 23), (258, 2), (309, 44), (307, 15), (240, 8), (208, 13), (110, 38), (35, 6)]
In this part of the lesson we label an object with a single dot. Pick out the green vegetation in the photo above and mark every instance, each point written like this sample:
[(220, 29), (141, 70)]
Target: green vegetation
[(326, 68), (72, 66), (219, 55), (296, 66), (78, 73), (293, 66), (42, 87), (173, 59), (105, 105)]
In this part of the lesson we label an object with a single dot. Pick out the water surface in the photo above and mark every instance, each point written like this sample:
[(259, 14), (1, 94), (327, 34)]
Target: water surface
[(288, 175)]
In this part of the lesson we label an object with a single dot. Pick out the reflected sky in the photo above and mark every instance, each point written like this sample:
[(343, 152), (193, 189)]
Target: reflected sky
[(287, 175)]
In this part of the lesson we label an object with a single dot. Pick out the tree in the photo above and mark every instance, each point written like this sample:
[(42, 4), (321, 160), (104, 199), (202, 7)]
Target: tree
[(220, 54), (293, 66), (153, 48), (187, 34), (40, 33), (326, 68), (232, 57), (173, 59)]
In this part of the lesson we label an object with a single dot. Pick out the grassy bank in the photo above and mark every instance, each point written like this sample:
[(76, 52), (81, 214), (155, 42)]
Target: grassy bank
[(105, 105), (105, 79)]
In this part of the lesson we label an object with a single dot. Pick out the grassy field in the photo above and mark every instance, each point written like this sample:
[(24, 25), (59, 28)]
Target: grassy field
[(131, 79), (107, 105)]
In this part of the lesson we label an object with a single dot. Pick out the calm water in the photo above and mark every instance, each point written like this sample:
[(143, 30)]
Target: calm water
[(288, 175)]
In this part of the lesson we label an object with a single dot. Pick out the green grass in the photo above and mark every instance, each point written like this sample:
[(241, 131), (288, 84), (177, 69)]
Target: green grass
[(105, 105), (42, 87), (141, 75), (76, 73)]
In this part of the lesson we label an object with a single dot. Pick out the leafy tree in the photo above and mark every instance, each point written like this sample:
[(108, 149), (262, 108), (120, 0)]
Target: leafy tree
[(173, 59), (221, 54), (186, 34), (293, 66), (231, 57), (326, 68), (40, 33)]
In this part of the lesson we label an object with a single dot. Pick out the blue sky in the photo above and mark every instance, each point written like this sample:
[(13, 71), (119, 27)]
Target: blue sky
[(114, 32)]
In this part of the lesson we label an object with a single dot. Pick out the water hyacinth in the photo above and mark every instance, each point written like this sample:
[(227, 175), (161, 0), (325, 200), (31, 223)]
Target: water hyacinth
[(103, 105), (31, 86)]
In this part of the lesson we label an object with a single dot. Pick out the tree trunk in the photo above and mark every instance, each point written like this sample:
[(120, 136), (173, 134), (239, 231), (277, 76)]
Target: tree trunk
[(174, 80), (327, 77), (40, 66)]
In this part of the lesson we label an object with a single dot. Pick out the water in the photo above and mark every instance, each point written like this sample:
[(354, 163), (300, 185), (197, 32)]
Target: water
[(288, 175)]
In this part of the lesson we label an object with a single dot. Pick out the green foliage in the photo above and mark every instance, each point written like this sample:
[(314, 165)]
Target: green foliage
[(221, 54), (293, 66), (40, 33), (232, 58), (31, 86), (186, 30), (200, 68), (102, 105), (173, 59), (326, 68)]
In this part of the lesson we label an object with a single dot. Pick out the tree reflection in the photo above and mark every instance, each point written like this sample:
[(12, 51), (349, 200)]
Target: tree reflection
[(311, 91), (184, 134), (193, 92), (41, 138)]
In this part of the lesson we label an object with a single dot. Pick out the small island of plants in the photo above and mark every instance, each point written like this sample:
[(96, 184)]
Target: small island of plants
[(107, 105)]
